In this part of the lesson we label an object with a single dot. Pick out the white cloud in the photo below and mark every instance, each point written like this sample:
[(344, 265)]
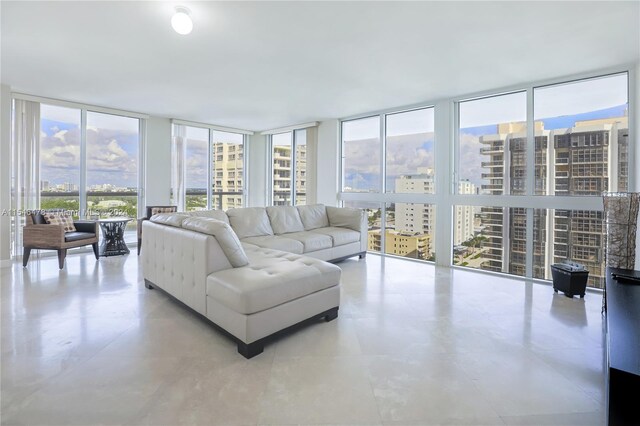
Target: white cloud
[(470, 159), (362, 156), (405, 154)]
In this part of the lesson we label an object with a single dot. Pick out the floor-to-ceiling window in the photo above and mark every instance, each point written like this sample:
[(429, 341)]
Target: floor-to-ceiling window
[(289, 168), (492, 136), (112, 166), (212, 167), (393, 154), (227, 181), (582, 151), (281, 166), (196, 168), (520, 185), (60, 157), (91, 169), (300, 184)]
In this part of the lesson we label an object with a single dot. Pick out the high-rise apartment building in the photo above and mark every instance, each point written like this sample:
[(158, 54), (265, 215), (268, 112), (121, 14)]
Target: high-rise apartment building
[(228, 175), (414, 224), (282, 169), (586, 159), (415, 246)]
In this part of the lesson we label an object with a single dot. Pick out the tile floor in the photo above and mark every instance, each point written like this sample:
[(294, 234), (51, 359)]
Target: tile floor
[(414, 345)]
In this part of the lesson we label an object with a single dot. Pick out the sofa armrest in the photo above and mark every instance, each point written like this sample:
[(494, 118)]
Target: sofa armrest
[(43, 236), (139, 228), (347, 218), (355, 219), (90, 226)]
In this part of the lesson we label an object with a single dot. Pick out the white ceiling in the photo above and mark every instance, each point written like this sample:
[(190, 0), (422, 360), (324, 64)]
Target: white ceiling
[(261, 65)]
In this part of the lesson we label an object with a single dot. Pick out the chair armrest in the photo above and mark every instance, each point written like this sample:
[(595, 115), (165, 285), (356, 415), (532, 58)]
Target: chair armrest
[(42, 236), (90, 226)]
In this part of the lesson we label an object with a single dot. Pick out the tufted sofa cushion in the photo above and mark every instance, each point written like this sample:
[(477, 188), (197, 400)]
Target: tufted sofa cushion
[(222, 231), (250, 222), (271, 279), (284, 219), (313, 216)]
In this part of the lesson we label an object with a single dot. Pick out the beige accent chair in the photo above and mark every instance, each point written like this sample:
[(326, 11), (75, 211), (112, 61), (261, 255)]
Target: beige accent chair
[(38, 234)]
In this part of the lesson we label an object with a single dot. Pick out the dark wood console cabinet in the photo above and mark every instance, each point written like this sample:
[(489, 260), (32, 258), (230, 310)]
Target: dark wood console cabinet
[(623, 350)]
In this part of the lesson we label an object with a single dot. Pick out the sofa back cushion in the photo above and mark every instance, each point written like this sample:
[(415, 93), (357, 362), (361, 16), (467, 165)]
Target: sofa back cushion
[(313, 216), (213, 214), (223, 233), (345, 217), (284, 219), (250, 222), (169, 219)]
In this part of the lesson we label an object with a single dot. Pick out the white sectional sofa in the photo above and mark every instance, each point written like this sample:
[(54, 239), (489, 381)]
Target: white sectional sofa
[(253, 272)]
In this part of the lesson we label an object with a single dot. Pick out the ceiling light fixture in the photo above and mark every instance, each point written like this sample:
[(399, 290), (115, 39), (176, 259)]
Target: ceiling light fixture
[(181, 21)]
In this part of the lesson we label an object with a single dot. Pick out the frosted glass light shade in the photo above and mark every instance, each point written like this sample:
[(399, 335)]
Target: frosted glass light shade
[(181, 21)]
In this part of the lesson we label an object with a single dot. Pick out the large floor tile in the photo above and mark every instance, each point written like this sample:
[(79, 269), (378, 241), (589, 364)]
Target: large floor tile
[(427, 389), (517, 383), (211, 392), (313, 390), (100, 391)]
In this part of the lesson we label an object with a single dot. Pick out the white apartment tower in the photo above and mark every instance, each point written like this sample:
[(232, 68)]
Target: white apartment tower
[(415, 218)]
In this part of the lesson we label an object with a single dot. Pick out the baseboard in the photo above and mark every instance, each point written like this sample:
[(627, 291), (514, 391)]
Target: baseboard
[(6, 263)]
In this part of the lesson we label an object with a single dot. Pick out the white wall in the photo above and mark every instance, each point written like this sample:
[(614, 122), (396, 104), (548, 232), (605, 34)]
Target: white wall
[(328, 162), (257, 169), (5, 174), (157, 181)]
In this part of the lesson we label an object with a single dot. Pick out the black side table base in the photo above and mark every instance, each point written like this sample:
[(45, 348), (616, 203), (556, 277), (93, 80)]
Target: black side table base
[(113, 243)]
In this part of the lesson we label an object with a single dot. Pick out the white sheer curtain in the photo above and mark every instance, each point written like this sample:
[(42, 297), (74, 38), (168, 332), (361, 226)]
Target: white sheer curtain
[(26, 165), (178, 154)]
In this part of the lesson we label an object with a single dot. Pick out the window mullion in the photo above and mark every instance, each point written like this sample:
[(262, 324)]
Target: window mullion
[(530, 184), (83, 164), (292, 176), (383, 154), (210, 176)]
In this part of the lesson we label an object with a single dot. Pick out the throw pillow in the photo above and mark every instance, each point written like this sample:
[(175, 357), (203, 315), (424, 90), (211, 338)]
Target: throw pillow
[(166, 209), (61, 219)]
